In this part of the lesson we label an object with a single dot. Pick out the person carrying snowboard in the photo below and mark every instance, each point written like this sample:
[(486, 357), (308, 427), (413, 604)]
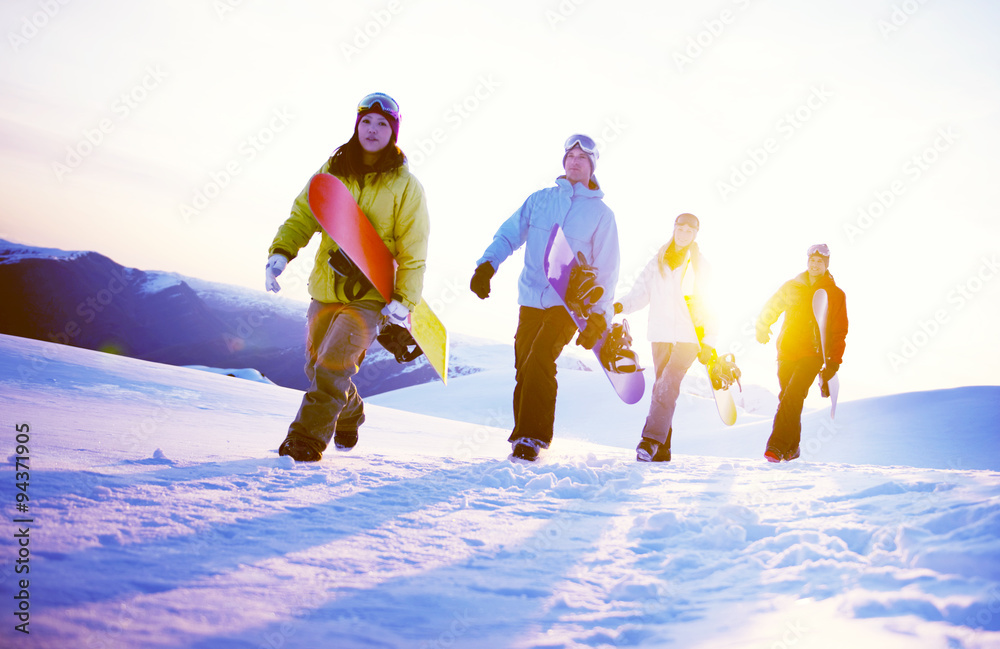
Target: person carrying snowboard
[(544, 326), (343, 320), (672, 284), (800, 358)]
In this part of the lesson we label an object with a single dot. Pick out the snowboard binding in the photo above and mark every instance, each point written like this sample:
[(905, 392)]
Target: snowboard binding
[(355, 282), (724, 373), (582, 291), (398, 341), (616, 353)]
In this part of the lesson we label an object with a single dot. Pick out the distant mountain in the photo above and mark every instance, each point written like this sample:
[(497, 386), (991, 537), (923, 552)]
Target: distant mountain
[(86, 300)]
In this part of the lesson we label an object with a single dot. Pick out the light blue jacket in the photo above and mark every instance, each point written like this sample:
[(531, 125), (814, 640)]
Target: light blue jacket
[(589, 225)]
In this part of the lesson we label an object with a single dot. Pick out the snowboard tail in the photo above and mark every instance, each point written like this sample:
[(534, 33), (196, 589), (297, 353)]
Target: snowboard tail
[(722, 373), (831, 388)]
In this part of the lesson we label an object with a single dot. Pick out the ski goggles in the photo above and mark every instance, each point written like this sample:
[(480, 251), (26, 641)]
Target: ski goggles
[(820, 249), (584, 142), (687, 219), (385, 103)]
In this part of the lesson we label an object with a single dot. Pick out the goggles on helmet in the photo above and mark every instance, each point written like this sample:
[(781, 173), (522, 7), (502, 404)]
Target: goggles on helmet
[(819, 249), (385, 103), (584, 142)]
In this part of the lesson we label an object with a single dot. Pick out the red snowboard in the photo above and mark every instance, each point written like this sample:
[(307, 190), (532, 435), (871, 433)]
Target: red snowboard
[(362, 245)]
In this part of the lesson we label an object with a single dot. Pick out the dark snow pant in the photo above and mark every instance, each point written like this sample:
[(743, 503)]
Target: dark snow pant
[(337, 338), (794, 378), (541, 336), (670, 363)]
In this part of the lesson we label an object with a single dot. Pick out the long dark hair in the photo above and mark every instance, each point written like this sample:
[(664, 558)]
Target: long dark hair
[(347, 162)]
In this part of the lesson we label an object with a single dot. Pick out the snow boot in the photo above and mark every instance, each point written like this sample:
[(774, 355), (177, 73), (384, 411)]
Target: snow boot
[(345, 440), (299, 450), (526, 449), (772, 454), (791, 455), (649, 450)]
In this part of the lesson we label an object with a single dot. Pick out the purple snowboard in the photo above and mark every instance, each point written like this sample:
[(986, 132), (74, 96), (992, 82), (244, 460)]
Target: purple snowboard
[(560, 260)]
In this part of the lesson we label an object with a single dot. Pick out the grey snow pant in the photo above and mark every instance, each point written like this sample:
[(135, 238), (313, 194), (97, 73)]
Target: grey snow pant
[(337, 338), (670, 363)]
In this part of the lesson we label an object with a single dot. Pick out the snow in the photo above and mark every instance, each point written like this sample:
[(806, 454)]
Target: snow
[(247, 373), (13, 253), (162, 517)]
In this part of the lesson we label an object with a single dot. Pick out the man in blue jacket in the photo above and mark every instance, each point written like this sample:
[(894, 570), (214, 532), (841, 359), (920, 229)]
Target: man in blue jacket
[(544, 326)]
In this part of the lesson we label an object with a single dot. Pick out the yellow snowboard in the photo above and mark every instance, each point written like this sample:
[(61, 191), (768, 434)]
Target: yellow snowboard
[(429, 332)]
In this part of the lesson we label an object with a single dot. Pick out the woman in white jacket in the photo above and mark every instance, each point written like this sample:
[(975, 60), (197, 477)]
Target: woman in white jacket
[(671, 285)]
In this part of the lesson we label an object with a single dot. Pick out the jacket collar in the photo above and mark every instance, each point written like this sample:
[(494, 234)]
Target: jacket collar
[(824, 280), (577, 189)]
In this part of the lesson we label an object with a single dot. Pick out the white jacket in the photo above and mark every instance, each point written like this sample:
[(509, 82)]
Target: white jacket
[(664, 290)]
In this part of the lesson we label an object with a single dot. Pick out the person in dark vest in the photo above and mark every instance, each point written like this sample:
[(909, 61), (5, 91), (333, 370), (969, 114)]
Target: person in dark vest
[(800, 358)]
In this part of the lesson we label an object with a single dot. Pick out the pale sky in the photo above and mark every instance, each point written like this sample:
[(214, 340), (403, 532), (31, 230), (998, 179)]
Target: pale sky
[(174, 136)]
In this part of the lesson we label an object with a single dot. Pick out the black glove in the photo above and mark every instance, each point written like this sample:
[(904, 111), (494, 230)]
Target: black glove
[(707, 354), (480, 283), (619, 308), (830, 370), (596, 325)]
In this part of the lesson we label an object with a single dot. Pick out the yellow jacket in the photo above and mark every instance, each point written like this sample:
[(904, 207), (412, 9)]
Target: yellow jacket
[(394, 203)]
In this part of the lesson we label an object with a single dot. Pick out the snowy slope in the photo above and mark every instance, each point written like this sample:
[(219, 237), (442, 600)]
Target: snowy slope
[(944, 429), (162, 517)]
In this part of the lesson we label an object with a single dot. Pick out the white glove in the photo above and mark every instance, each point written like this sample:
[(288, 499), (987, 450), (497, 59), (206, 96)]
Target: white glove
[(275, 265), (397, 313)]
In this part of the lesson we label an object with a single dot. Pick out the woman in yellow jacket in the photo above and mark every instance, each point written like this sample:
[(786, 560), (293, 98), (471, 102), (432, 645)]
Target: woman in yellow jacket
[(343, 321)]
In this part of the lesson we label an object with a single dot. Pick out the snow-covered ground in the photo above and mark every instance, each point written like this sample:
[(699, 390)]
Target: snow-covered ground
[(162, 517)]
